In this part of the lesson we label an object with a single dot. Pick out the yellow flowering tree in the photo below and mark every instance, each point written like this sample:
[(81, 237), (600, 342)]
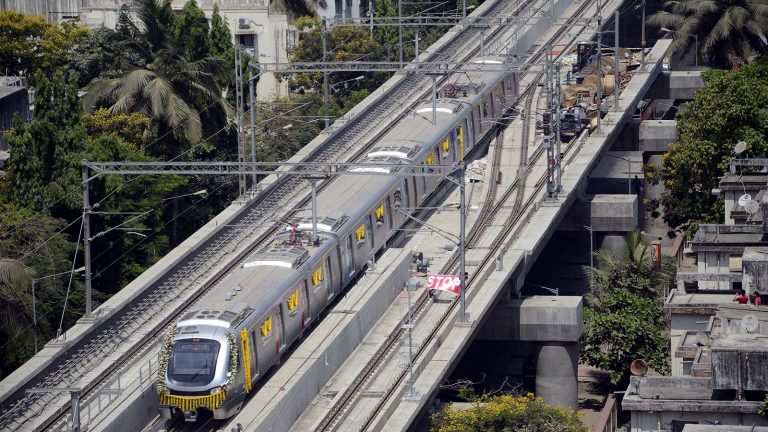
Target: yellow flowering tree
[(507, 413)]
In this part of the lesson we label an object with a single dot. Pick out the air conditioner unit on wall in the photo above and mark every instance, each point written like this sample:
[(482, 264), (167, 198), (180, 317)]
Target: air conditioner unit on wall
[(243, 23)]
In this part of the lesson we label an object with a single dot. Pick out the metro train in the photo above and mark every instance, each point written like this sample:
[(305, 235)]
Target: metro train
[(216, 354)]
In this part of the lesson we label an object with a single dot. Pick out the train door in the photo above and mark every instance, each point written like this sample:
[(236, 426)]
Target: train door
[(254, 354), (371, 236), (465, 135), (414, 192), (349, 265), (402, 204), (476, 120), (306, 304), (281, 334), (390, 217), (329, 282)]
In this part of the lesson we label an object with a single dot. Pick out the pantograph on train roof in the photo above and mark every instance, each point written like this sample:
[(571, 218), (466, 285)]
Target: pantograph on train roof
[(457, 89), (279, 254)]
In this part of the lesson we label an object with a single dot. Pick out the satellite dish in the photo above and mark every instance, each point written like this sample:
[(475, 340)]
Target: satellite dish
[(745, 199), (638, 367), (749, 323), (753, 207), (740, 147)]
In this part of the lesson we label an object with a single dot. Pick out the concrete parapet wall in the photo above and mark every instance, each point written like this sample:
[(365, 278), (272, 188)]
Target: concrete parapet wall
[(656, 135)]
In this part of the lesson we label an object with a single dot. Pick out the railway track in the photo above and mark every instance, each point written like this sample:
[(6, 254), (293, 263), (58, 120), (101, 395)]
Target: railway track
[(487, 215), (88, 355)]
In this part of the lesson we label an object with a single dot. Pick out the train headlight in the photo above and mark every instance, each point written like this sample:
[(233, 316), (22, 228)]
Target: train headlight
[(216, 389)]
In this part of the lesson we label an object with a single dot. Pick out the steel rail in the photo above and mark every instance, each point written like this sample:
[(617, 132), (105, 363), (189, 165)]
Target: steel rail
[(330, 421)]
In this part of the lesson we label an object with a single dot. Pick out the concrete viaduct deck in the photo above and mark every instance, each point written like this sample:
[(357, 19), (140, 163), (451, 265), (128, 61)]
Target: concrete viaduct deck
[(554, 322)]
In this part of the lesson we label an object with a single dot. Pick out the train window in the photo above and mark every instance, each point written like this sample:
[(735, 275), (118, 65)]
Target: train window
[(360, 235), (293, 303), (398, 199), (318, 277), (431, 160), (379, 213), (370, 237), (484, 108), (266, 330)]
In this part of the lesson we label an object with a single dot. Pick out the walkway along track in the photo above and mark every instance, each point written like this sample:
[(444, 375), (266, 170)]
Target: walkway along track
[(487, 214), (89, 354)]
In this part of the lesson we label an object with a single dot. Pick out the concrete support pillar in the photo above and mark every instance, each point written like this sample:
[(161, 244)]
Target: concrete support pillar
[(556, 374)]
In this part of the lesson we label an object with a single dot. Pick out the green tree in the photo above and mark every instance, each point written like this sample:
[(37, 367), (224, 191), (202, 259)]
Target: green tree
[(730, 108), (221, 38), (623, 327), (507, 413), (632, 271), (32, 248), (40, 173), (130, 129), (343, 44), (167, 85), (623, 320), (730, 31), (192, 27), (15, 309), (29, 43)]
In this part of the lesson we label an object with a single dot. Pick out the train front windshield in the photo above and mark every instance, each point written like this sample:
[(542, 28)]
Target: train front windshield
[(193, 361)]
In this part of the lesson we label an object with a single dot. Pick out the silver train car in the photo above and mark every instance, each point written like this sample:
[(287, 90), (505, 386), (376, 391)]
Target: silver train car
[(217, 354)]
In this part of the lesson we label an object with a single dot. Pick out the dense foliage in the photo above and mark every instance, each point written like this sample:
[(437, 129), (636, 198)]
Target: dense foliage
[(506, 413), (623, 320), (625, 327), (29, 43), (730, 108), (729, 32), (168, 73)]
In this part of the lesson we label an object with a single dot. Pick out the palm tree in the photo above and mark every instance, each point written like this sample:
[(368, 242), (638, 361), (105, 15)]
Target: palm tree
[(15, 300), (632, 271), (161, 82), (729, 31)]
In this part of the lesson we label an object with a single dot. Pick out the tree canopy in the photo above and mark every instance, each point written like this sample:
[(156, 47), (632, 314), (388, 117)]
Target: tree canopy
[(729, 31), (506, 413), (29, 43), (728, 109), (175, 82), (623, 320)]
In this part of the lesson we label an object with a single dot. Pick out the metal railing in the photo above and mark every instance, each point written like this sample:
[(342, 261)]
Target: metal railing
[(101, 401), (609, 416)]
